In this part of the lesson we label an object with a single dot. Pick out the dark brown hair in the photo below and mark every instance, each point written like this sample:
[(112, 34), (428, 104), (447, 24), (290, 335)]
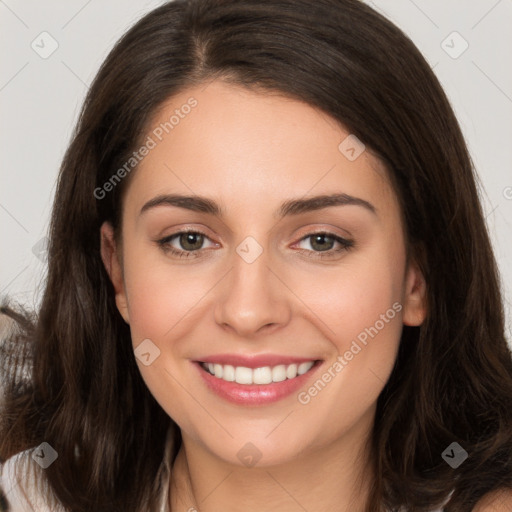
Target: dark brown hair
[(452, 381)]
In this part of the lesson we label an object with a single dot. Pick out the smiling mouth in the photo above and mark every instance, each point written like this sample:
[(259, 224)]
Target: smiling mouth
[(261, 376)]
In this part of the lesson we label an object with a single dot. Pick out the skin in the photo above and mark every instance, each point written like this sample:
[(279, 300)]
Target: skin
[(250, 151)]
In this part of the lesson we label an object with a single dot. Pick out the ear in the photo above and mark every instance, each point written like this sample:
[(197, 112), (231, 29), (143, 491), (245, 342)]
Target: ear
[(415, 293), (111, 259)]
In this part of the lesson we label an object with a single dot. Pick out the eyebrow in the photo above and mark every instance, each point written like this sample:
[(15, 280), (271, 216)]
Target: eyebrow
[(289, 207)]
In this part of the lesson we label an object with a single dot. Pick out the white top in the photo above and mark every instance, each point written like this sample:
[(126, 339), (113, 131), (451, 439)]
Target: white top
[(23, 496)]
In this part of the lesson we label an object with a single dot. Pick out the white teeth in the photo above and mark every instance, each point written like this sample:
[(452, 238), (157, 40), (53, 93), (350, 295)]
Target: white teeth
[(243, 375), (229, 373), (263, 375), (304, 367), (291, 371), (279, 373), (218, 370)]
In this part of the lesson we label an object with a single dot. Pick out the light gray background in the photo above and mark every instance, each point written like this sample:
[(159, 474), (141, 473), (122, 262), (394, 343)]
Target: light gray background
[(40, 100)]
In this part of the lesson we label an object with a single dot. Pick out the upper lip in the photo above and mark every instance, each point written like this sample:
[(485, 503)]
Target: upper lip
[(255, 361)]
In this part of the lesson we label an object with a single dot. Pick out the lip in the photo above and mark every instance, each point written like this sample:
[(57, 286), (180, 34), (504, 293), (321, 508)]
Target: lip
[(255, 394), (256, 361)]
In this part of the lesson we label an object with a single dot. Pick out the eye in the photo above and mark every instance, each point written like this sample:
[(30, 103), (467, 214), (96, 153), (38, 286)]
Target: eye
[(322, 244), (191, 242)]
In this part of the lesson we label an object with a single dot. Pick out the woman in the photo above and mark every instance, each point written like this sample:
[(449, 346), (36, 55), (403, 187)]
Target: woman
[(198, 346)]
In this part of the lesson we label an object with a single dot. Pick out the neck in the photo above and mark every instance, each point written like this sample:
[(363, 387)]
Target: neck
[(336, 476)]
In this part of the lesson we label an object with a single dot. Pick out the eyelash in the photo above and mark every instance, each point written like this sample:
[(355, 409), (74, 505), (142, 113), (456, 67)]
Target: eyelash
[(346, 245)]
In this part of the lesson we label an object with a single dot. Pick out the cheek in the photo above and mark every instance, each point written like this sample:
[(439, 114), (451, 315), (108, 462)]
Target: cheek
[(359, 312), (160, 295), (358, 308), (353, 297), (161, 300)]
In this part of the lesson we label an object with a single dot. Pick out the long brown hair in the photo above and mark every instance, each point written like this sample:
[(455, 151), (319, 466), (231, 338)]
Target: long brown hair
[(452, 381)]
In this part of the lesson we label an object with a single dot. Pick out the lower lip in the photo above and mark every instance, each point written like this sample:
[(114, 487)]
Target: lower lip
[(255, 394)]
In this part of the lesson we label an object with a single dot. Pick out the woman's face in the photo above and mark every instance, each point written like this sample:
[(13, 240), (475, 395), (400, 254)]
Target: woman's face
[(268, 278)]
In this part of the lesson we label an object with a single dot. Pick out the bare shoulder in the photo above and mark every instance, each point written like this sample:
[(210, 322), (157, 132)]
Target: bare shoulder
[(496, 501)]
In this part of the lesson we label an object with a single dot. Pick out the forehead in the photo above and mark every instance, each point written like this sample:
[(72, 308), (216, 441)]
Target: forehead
[(249, 147)]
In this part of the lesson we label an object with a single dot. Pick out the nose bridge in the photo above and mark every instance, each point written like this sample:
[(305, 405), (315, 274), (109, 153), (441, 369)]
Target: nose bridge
[(252, 296)]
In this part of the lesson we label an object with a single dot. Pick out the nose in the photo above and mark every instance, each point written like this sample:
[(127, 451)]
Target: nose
[(252, 298)]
